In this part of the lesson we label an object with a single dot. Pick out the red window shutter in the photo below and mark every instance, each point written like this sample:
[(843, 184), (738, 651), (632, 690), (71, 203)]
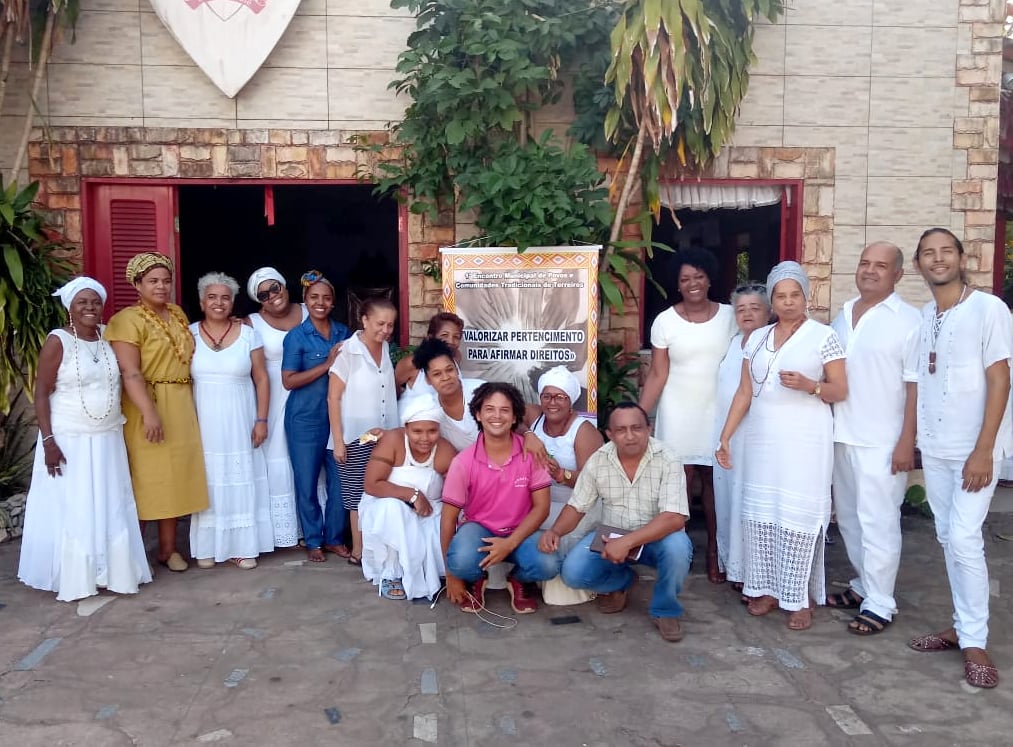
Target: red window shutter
[(124, 220)]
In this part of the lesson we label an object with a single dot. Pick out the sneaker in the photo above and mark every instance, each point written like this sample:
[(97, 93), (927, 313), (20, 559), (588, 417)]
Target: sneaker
[(476, 598), (522, 602)]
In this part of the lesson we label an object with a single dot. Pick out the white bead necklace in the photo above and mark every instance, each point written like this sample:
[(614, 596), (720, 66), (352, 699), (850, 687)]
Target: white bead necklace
[(111, 382)]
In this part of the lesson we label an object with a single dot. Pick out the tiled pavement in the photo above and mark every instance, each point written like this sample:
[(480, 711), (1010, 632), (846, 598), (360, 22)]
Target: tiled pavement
[(309, 654)]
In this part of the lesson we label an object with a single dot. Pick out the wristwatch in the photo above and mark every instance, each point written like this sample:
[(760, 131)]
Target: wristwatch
[(817, 389), (567, 475)]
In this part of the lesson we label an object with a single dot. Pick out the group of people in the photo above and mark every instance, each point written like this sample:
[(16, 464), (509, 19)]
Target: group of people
[(782, 419), (285, 424)]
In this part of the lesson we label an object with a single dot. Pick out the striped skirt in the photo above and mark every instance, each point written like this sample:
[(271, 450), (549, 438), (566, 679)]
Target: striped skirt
[(353, 473)]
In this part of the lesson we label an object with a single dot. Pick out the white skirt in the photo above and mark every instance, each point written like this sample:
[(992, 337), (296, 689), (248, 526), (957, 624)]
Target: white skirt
[(81, 529), (397, 544)]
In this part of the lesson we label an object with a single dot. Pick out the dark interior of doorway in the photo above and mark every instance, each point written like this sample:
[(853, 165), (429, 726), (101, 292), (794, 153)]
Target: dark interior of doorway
[(746, 242), (345, 231)]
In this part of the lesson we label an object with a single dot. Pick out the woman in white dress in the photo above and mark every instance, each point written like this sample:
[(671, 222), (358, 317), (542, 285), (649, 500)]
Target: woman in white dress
[(276, 317), (688, 341), (361, 404), (400, 509), (791, 371), (752, 311), (231, 392), (81, 530)]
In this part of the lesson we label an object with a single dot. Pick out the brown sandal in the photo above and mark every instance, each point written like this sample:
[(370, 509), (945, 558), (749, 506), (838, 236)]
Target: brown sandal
[(340, 550), (931, 642), (760, 606), (800, 619), (980, 675)]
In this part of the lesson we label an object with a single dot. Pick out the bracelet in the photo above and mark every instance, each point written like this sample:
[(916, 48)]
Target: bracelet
[(260, 420), (48, 438)]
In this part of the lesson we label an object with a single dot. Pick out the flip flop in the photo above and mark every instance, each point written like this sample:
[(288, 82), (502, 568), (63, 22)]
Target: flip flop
[(846, 600), (868, 623), (931, 642), (340, 550), (352, 560)]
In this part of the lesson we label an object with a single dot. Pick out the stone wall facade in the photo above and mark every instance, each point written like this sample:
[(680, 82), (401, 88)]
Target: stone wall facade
[(70, 154)]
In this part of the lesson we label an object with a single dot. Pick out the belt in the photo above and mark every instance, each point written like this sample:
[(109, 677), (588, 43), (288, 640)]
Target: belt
[(186, 380)]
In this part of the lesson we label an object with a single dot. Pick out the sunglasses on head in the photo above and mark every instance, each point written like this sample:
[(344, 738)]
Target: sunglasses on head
[(751, 288), (272, 290)]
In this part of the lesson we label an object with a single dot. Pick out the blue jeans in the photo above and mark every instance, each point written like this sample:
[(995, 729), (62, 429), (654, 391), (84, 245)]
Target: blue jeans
[(308, 452), (671, 555), (530, 563)]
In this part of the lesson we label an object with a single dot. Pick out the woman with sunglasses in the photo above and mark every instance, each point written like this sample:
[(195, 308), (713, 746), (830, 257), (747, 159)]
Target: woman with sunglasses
[(309, 351), (276, 317)]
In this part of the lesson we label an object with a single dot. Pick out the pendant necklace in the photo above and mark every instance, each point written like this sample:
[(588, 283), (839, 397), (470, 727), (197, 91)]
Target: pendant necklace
[(216, 345), (773, 353), (937, 328)]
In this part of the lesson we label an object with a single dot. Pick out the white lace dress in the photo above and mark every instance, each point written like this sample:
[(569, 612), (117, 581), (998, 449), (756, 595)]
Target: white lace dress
[(788, 456), (237, 523), (279, 469), (728, 482), (396, 543), (81, 529)]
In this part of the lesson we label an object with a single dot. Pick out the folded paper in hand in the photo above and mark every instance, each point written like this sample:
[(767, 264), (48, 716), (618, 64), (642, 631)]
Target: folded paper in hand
[(604, 531)]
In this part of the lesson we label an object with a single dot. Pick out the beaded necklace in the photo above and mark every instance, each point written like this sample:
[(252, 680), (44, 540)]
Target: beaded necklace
[(774, 353), (216, 345), (111, 378), (179, 350)]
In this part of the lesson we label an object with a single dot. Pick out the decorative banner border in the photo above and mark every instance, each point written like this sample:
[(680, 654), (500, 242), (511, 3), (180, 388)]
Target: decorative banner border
[(525, 312)]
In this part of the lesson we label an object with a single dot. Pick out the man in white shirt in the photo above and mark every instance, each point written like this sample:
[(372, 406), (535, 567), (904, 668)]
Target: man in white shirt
[(869, 464), (959, 378)]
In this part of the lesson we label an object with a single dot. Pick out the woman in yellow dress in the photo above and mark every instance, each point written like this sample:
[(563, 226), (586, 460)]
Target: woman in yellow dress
[(153, 347)]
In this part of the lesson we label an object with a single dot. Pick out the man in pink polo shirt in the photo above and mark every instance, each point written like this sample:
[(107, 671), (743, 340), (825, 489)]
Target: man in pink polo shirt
[(504, 496)]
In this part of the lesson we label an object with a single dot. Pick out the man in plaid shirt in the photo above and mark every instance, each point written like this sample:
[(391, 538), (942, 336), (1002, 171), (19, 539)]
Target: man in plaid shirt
[(642, 488)]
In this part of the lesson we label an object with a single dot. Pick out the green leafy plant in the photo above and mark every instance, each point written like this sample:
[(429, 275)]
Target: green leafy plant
[(31, 266), (618, 374), (916, 498), (17, 448), (679, 70)]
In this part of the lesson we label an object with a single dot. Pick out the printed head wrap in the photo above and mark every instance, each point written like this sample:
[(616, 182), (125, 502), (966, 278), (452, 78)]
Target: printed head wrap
[(141, 263), (788, 270), (258, 277), (312, 277), (75, 286), (562, 378), (420, 407)]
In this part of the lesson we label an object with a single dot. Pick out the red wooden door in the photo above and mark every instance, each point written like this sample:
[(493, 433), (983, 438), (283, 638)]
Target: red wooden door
[(124, 220)]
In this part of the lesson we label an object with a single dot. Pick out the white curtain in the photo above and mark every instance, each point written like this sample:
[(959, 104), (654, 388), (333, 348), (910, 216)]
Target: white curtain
[(697, 196)]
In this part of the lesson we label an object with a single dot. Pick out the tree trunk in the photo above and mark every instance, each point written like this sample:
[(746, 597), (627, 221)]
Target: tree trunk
[(7, 34), (40, 73), (631, 179)]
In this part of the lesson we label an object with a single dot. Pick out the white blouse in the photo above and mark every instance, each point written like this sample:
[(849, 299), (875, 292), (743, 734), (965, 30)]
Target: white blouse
[(370, 397)]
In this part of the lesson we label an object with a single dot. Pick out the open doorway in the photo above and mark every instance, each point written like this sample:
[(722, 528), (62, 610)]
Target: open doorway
[(746, 242), (345, 231)]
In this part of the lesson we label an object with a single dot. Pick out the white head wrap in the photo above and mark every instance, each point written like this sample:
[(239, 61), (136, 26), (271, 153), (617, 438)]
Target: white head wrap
[(421, 407), (75, 286), (562, 378), (788, 270), (258, 277)]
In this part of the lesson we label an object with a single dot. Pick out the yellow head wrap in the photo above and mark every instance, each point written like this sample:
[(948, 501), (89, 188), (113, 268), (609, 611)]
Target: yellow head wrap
[(141, 263)]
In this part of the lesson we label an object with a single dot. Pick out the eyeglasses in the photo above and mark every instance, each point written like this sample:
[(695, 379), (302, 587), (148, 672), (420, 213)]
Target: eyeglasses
[(547, 398), (751, 288), (272, 290)]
